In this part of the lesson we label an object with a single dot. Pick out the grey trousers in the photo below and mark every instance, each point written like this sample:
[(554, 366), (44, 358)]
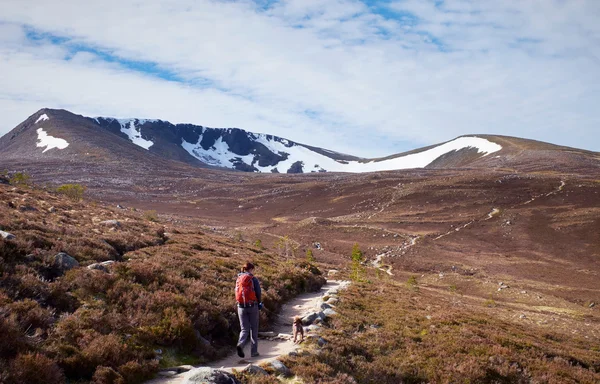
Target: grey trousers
[(249, 323)]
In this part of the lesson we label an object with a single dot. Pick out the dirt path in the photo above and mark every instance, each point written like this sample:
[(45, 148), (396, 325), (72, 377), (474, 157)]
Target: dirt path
[(268, 349)]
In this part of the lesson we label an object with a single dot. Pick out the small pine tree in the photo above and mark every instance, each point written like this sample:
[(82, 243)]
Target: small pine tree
[(286, 247), (411, 283), (357, 259), (309, 256)]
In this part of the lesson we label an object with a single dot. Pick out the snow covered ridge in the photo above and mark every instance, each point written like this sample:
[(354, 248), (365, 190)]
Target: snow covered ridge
[(129, 128), (220, 155), (45, 140)]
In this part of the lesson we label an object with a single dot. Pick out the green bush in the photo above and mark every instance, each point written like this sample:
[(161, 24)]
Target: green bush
[(72, 191), (151, 216), (309, 256), (19, 178)]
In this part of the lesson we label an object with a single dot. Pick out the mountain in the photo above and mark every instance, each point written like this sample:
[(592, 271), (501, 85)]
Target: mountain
[(53, 134), (60, 135)]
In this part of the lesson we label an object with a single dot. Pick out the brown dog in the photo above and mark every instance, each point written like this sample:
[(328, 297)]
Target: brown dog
[(298, 329)]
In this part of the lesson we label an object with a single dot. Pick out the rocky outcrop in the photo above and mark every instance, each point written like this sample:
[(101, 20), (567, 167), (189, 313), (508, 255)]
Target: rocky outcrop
[(280, 368), (255, 370), (207, 375), (103, 266), (7, 236), (63, 262)]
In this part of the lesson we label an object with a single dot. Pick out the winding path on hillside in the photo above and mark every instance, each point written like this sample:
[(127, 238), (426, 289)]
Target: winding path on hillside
[(269, 349), (496, 211)]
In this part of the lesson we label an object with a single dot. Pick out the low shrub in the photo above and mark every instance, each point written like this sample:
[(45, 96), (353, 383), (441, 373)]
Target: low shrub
[(34, 368), (72, 191)]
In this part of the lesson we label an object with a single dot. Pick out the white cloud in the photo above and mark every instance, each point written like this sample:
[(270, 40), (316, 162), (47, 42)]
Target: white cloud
[(328, 73)]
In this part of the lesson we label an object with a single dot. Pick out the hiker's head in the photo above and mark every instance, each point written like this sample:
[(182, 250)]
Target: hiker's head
[(248, 267)]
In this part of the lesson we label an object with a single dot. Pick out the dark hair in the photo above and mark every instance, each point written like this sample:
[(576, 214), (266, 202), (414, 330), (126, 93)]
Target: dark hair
[(248, 266)]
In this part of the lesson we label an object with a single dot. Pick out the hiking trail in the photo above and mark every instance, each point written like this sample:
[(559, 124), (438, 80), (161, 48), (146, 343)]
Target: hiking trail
[(272, 348)]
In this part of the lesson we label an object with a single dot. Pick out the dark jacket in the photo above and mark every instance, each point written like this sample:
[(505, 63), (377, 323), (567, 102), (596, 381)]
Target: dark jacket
[(256, 286)]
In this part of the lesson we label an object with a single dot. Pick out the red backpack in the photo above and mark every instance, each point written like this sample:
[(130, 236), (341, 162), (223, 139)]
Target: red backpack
[(244, 289)]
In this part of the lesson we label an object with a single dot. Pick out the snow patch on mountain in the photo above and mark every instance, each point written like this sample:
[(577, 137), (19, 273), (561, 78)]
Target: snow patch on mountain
[(44, 117), (45, 140), (220, 155), (132, 131)]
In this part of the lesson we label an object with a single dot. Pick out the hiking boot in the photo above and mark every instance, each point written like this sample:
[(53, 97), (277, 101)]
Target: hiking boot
[(255, 354), (240, 351)]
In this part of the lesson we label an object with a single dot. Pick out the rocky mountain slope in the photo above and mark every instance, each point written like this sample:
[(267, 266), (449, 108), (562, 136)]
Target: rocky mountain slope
[(58, 134)]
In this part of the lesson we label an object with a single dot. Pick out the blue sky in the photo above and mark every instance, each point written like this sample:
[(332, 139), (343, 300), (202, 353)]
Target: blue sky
[(369, 78)]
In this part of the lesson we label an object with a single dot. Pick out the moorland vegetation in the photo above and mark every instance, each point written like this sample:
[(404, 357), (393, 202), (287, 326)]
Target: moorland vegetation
[(95, 293)]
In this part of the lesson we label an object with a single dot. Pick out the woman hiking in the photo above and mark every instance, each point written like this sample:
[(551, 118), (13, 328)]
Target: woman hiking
[(247, 295)]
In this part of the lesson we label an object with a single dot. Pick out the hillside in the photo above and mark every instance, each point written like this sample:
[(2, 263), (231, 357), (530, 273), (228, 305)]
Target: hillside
[(88, 291), (50, 135), (475, 268)]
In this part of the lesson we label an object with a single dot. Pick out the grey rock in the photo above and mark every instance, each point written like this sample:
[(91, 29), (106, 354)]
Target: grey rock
[(207, 375), (324, 306), (332, 301), (329, 312), (103, 266), (110, 223), (313, 327), (167, 373), (255, 370), (201, 339), (63, 262), (7, 236), (592, 305), (51, 209), (267, 334), (308, 319), (280, 368), (321, 342)]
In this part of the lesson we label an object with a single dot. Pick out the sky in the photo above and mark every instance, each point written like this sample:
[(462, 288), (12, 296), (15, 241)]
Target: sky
[(369, 78)]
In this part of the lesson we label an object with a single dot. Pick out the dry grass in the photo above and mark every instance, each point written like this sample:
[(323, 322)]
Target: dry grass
[(169, 292), (387, 332)]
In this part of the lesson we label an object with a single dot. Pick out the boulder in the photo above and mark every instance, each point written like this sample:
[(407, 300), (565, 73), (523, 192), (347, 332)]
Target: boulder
[(313, 327), (103, 266), (63, 262), (308, 319), (255, 370), (324, 306), (280, 368), (110, 223), (7, 236), (332, 301), (207, 375), (329, 312), (266, 334), (321, 342)]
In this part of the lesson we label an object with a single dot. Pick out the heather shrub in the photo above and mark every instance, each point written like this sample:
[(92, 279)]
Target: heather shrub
[(30, 315), (172, 294), (107, 375), (34, 368), (12, 339), (151, 215)]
